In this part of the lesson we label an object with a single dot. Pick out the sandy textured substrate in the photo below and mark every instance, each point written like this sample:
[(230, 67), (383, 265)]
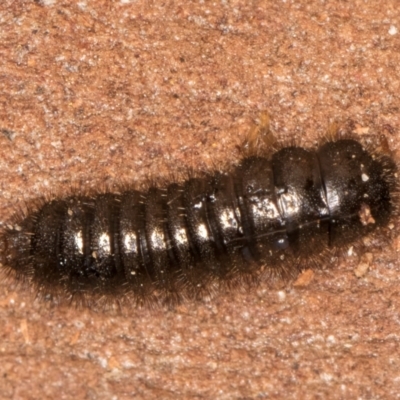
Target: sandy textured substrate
[(99, 92)]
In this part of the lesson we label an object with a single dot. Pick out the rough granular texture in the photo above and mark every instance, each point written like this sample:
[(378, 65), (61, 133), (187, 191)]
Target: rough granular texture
[(95, 93)]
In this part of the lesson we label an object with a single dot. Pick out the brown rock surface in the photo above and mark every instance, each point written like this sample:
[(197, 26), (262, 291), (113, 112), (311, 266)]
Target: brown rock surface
[(97, 92)]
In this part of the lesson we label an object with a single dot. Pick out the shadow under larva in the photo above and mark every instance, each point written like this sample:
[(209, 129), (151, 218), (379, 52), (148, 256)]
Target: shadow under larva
[(267, 217)]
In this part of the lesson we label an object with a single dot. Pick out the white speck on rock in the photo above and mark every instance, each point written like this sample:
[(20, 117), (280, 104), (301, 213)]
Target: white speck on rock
[(392, 30), (326, 377), (281, 295), (103, 362), (331, 339)]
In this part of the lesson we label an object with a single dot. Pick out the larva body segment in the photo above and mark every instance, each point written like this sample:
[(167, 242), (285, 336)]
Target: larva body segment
[(179, 240)]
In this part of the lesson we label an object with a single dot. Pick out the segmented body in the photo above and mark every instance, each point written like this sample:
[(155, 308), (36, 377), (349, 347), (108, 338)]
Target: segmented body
[(179, 239)]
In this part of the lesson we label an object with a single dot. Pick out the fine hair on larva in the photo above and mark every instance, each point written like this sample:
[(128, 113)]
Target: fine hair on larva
[(282, 208)]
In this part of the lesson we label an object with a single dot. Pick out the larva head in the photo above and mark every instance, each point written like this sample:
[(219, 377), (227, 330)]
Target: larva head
[(358, 187)]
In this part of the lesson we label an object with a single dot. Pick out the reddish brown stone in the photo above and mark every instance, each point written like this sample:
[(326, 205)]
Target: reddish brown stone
[(98, 92)]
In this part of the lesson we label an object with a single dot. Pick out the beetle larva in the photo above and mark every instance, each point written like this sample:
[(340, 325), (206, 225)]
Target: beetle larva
[(180, 239)]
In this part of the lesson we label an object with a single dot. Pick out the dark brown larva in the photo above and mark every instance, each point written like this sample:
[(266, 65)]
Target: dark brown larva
[(184, 239)]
